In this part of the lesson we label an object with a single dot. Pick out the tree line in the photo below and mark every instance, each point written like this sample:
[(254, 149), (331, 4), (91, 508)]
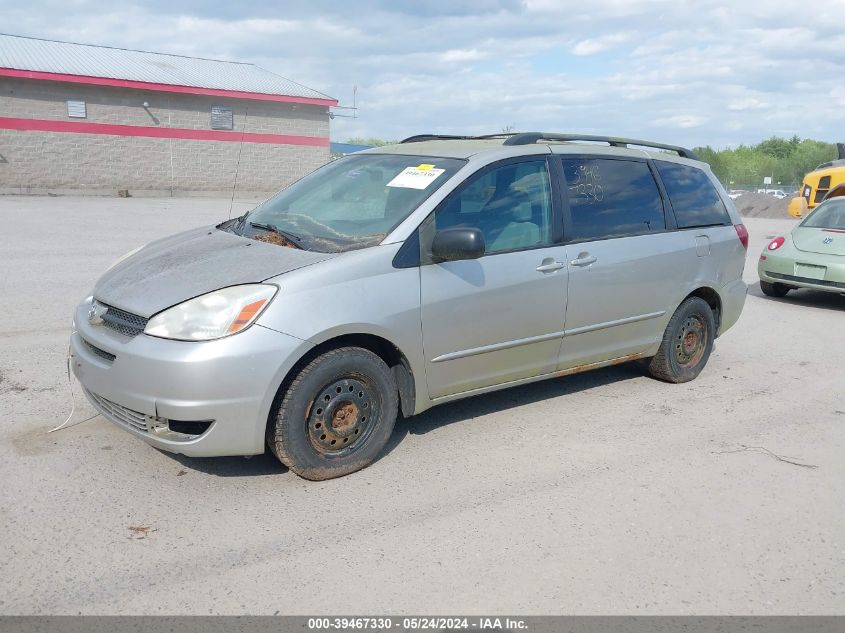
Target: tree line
[(786, 161)]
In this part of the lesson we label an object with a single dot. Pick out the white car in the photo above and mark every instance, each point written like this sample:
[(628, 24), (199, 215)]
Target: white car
[(780, 194)]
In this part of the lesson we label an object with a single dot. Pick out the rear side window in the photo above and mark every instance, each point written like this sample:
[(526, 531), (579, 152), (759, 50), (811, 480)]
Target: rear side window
[(694, 198), (611, 198)]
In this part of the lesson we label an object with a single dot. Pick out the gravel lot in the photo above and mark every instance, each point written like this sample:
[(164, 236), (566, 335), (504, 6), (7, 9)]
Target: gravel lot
[(606, 492)]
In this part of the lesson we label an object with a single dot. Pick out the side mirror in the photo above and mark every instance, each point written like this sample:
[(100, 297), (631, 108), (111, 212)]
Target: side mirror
[(455, 244)]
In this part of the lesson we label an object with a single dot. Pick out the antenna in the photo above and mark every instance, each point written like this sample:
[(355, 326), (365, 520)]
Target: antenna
[(238, 165), (353, 107)]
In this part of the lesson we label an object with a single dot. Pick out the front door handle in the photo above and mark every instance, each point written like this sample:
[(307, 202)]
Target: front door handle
[(584, 259), (550, 266)]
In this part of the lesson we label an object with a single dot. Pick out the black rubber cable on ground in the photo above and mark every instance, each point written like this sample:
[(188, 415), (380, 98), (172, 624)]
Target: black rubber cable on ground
[(72, 401)]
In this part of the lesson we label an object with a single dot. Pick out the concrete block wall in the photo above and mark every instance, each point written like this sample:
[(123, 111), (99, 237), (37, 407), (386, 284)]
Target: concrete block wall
[(37, 162)]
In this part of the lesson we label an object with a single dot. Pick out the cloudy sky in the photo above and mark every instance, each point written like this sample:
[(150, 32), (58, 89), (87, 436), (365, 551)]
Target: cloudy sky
[(693, 73)]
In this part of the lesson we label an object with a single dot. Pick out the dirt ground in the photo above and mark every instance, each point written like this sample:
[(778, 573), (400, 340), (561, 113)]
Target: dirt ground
[(602, 493), (762, 205)]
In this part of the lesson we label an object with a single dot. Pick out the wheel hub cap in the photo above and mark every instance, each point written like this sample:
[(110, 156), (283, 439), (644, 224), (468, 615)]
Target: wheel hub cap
[(345, 416), (691, 341), (340, 416)]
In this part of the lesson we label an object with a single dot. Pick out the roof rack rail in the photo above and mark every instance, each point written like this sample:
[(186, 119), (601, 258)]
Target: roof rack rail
[(418, 138), (527, 138)]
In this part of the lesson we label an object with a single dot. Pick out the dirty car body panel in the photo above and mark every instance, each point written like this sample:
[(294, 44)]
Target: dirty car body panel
[(541, 301)]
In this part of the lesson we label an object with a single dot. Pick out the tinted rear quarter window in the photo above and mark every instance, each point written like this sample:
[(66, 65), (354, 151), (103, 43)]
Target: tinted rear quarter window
[(694, 198), (611, 198)]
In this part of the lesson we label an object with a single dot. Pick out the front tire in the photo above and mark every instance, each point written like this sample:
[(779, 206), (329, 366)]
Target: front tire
[(773, 290), (687, 343), (336, 415)]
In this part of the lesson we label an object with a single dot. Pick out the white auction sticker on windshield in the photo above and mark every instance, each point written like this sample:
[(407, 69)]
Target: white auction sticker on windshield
[(418, 177)]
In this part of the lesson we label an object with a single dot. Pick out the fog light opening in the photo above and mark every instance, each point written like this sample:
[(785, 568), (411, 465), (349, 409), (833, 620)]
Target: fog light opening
[(189, 427)]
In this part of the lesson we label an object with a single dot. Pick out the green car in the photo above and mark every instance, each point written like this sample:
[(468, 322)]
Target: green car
[(811, 256)]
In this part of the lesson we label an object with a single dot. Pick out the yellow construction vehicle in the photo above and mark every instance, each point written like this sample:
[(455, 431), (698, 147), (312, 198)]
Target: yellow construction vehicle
[(825, 181)]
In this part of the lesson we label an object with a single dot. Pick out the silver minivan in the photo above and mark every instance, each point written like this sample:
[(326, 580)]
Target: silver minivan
[(406, 276)]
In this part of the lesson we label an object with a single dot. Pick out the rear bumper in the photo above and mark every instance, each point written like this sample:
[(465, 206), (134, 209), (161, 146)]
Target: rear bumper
[(230, 382), (733, 300), (781, 270)]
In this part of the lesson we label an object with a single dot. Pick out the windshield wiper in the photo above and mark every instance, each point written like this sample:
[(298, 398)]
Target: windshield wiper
[(293, 238), (240, 222)]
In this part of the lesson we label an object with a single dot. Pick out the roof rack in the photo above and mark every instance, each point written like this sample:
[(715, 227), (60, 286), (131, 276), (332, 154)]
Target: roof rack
[(527, 138), (418, 138)]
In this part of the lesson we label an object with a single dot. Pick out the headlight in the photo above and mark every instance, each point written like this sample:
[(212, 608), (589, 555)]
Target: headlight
[(126, 256), (213, 315)]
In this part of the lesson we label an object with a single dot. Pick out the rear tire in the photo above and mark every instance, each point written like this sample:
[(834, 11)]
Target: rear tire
[(687, 343), (336, 416), (773, 290)]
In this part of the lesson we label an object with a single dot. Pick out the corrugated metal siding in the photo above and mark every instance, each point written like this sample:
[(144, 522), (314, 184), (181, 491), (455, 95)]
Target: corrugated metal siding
[(24, 53)]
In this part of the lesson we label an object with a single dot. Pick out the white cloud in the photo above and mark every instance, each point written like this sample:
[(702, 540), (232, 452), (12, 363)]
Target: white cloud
[(599, 44), (748, 103), (683, 121), (461, 55)]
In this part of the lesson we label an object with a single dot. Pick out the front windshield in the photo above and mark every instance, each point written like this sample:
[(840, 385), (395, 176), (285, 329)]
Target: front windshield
[(351, 203), (828, 215)]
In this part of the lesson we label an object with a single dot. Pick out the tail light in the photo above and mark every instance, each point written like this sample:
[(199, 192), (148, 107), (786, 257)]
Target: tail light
[(742, 234), (776, 243)]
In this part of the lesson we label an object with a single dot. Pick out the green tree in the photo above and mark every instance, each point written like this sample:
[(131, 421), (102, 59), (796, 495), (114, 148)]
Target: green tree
[(371, 141), (786, 161), (778, 147)]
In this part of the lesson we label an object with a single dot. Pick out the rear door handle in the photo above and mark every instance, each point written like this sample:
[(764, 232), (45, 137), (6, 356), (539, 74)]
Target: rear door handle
[(584, 259), (550, 267)]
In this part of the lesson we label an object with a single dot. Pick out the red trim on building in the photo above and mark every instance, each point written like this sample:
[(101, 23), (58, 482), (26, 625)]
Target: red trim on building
[(79, 127), (144, 85)]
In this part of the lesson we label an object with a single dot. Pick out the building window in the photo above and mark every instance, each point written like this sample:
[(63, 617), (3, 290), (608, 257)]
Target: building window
[(222, 118), (76, 109)]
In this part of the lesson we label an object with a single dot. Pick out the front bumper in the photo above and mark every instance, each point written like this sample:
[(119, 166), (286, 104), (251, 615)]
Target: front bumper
[(142, 382), (785, 270)]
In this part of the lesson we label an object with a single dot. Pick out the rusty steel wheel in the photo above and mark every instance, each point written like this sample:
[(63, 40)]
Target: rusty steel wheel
[(341, 417), (687, 342), (336, 415), (691, 341)]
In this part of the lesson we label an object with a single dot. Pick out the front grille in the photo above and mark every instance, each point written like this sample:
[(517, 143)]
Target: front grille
[(121, 415), (99, 352), (806, 280), (124, 322)]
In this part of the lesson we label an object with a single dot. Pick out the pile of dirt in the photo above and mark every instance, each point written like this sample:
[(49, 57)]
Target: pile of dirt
[(761, 205)]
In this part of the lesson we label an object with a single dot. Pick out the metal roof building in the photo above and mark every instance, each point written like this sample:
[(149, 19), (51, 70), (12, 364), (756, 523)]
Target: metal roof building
[(177, 119), (35, 58)]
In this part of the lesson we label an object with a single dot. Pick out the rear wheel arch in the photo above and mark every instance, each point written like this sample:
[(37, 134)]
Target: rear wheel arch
[(713, 299)]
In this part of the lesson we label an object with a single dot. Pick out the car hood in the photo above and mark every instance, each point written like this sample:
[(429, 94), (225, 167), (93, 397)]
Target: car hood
[(189, 264), (824, 241)]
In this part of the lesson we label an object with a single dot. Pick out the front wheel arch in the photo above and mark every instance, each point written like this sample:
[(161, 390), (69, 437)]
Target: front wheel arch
[(381, 347)]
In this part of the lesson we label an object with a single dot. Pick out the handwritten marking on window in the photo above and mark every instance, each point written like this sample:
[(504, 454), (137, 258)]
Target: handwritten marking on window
[(585, 183)]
